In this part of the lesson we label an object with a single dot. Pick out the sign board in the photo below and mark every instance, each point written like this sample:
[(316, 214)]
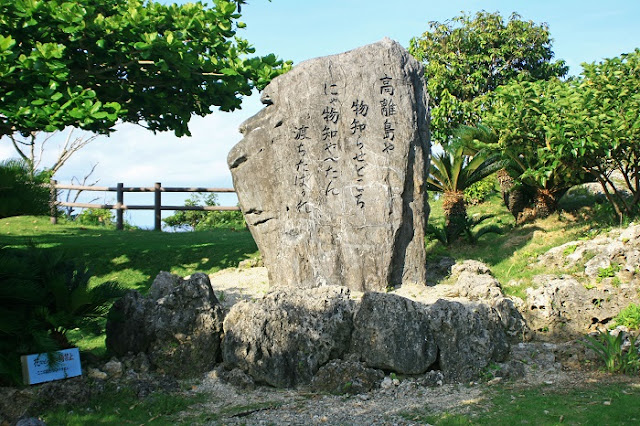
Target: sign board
[(37, 369)]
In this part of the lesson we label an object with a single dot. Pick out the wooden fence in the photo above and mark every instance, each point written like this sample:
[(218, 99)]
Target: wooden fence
[(120, 206)]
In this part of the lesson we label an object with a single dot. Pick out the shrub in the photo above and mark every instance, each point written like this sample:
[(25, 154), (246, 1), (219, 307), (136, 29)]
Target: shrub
[(222, 219), (21, 192), (479, 192), (95, 217), (202, 220), (629, 317), (42, 297)]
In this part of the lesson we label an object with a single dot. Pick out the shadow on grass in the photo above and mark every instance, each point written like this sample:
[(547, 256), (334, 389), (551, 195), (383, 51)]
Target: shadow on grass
[(134, 258)]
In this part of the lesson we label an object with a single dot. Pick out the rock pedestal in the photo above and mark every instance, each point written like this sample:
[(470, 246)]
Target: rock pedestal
[(331, 173)]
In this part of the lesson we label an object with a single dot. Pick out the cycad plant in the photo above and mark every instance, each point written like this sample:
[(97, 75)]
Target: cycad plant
[(42, 296), (452, 171)]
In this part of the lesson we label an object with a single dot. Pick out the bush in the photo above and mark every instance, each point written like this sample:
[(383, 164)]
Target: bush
[(479, 192), (222, 219), (629, 317), (42, 297), (202, 220), (22, 193), (95, 217)]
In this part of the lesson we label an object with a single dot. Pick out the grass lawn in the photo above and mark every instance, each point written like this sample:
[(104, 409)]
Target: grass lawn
[(132, 258)]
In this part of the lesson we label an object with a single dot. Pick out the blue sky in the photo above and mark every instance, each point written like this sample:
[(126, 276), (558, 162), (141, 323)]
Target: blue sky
[(583, 31)]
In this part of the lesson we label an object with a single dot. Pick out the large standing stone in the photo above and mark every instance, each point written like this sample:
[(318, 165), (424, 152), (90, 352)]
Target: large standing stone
[(331, 174)]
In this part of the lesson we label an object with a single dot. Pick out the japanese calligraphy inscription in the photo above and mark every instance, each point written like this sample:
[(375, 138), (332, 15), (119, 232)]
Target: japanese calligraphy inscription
[(331, 173)]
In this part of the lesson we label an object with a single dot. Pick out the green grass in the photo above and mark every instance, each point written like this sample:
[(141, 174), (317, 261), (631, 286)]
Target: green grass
[(117, 406), (132, 258), (595, 404)]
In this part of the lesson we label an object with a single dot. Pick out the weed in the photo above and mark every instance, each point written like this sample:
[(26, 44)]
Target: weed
[(489, 372), (629, 317), (570, 249), (609, 348), (608, 272)]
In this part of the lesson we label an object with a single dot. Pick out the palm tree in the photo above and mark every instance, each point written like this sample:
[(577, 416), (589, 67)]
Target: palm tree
[(452, 171), (516, 198)]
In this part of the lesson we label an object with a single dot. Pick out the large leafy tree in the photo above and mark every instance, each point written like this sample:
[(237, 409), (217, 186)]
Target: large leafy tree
[(527, 118), (90, 63), (599, 131), (469, 56)]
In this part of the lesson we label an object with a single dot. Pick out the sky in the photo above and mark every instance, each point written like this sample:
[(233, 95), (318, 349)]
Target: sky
[(297, 30)]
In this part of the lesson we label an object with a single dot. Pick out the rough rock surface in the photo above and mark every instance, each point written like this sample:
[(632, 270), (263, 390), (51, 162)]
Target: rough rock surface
[(178, 325), (475, 282), (331, 173), (563, 308), (392, 333), (469, 338), (614, 256), (340, 377), (284, 338)]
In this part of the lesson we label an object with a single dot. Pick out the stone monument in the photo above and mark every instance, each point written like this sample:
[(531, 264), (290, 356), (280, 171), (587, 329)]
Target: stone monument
[(331, 173)]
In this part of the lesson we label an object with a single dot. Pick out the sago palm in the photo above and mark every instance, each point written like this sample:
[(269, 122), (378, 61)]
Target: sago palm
[(452, 171)]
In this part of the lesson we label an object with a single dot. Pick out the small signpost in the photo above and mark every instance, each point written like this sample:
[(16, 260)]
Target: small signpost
[(36, 368)]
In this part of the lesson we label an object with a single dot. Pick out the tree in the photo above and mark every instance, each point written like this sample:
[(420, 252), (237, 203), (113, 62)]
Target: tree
[(606, 130), (527, 117), (90, 63), (31, 149), (452, 172), (467, 57)]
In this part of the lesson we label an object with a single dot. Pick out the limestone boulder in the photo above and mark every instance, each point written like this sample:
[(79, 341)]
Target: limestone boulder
[(392, 333), (561, 308), (469, 337), (346, 377), (330, 175), (283, 339), (178, 325)]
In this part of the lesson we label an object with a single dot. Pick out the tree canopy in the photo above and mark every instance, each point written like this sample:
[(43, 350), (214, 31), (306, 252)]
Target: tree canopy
[(90, 63), (466, 57)]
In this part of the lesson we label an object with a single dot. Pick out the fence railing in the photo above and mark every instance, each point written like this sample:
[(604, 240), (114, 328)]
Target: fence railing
[(120, 206)]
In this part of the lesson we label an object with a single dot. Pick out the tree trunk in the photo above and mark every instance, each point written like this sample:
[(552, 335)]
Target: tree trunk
[(455, 214), (514, 198), (545, 202)]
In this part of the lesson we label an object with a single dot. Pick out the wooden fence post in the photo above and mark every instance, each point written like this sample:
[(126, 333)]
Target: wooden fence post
[(53, 198), (157, 207), (119, 204)]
